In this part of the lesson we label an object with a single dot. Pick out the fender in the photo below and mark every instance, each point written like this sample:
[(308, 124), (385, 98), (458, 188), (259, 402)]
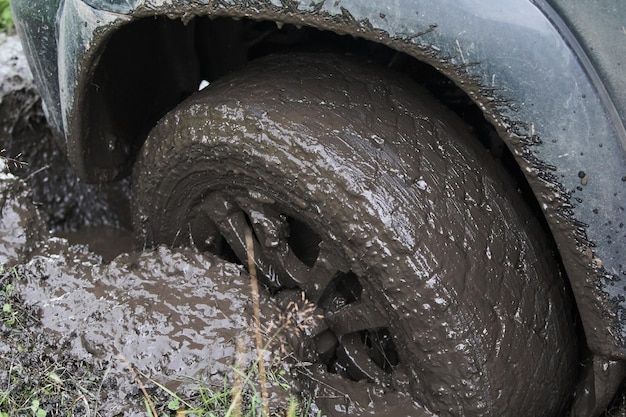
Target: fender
[(515, 59)]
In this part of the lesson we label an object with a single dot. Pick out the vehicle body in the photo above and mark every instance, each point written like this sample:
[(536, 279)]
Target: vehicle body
[(547, 75)]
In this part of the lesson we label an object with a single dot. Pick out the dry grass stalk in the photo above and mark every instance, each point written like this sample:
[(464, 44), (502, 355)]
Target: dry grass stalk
[(16, 162), (240, 364), (141, 385), (257, 322)]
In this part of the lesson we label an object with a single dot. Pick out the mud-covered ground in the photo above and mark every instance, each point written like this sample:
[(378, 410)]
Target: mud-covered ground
[(92, 325)]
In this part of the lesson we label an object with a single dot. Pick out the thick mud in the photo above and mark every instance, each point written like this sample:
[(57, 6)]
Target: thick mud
[(108, 319), (177, 317)]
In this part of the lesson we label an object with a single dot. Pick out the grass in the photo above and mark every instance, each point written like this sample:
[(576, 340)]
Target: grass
[(6, 17), (18, 394), (9, 313), (227, 401), (28, 379)]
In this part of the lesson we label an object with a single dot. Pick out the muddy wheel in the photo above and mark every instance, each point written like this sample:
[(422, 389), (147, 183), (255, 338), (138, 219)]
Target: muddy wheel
[(370, 197)]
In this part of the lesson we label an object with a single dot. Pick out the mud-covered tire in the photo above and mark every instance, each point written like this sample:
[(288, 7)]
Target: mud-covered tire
[(395, 195)]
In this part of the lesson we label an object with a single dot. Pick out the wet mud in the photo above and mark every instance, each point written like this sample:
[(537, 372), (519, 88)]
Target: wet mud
[(175, 316), (100, 306), (20, 222)]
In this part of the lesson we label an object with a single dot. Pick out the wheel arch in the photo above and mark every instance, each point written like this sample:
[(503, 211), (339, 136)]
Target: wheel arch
[(512, 62)]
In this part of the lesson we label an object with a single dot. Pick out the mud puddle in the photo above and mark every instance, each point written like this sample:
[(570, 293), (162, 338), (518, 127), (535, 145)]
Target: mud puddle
[(106, 241)]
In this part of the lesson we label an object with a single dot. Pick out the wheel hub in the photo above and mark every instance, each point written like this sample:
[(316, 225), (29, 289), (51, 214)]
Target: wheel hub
[(354, 339)]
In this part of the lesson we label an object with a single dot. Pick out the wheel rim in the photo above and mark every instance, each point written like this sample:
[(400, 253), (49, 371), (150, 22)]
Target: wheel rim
[(354, 339)]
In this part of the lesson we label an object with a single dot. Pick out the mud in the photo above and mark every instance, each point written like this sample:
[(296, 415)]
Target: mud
[(92, 305), (20, 223), (176, 316)]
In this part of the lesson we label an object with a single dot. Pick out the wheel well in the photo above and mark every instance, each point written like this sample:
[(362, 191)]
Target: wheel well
[(152, 64)]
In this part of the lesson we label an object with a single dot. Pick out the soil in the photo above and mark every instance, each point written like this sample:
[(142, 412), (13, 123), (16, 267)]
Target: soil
[(94, 320)]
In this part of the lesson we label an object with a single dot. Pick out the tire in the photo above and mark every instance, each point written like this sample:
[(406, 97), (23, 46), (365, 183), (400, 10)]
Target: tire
[(365, 193)]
